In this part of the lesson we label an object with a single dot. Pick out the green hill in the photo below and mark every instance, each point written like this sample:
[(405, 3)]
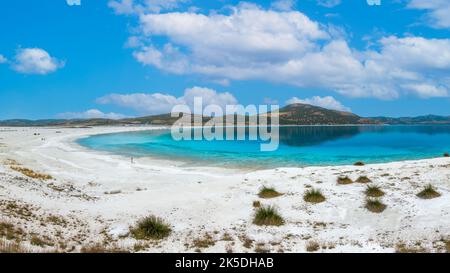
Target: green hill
[(293, 114)]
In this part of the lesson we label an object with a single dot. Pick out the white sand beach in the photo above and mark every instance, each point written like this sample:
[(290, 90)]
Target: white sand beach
[(93, 198)]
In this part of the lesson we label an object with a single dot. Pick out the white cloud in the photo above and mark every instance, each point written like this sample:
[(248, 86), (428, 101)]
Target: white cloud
[(157, 103), (143, 6), (283, 5), (73, 2), (328, 3), (424, 90), (438, 11), (122, 6), (251, 43), (90, 114), (277, 35), (415, 52), (324, 102), (219, 44), (168, 59), (3, 59), (35, 61)]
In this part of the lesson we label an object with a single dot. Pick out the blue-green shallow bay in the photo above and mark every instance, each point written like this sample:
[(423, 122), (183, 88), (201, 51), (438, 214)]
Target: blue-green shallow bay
[(299, 146)]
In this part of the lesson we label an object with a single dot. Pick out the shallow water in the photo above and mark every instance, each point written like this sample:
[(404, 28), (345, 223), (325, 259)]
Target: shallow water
[(299, 146)]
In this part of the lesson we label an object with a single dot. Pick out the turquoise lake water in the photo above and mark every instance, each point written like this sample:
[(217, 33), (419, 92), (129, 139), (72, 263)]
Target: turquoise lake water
[(299, 146)]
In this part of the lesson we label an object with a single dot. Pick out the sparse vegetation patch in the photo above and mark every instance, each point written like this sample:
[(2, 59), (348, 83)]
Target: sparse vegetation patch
[(204, 242), (373, 191), (344, 180), (313, 196), (99, 248), (266, 192), (11, 247), (151, 227), (31, 173), (428, 192), (403, 248), (268, 216), (363, 179), (375, 205), (256, 204), (261, 249), (37, 241), (8, 231), (312, 246)]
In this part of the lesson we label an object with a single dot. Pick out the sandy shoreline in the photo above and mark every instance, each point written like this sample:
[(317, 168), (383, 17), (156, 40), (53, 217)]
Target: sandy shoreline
[(98, 196)]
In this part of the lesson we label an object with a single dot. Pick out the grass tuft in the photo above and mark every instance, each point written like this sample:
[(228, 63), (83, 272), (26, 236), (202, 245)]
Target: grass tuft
[(151, 227), (428, 192), (268, 216), (266, 192), (313, 196), (344, 180), (312, 246), (363, 179), (256, 204), (375, 205), (373, 191)]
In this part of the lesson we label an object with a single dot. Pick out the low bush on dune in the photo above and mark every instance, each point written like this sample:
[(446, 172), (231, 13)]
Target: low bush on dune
[(313, 196), (375, 205), (359, 163), (446, 155), (151, 227), (266, 192), (268, 216), (363, 179), (344, 180), (373, 191), (428, 192)]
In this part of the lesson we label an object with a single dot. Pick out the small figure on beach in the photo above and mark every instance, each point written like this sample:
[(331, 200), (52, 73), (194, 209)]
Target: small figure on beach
[(132, 160)]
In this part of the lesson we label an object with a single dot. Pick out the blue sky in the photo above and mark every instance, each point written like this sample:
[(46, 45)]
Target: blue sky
[(94, 58)]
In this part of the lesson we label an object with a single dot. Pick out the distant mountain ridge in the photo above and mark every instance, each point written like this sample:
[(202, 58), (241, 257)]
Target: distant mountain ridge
[(428, 119), (293, 114), (305, 114)]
